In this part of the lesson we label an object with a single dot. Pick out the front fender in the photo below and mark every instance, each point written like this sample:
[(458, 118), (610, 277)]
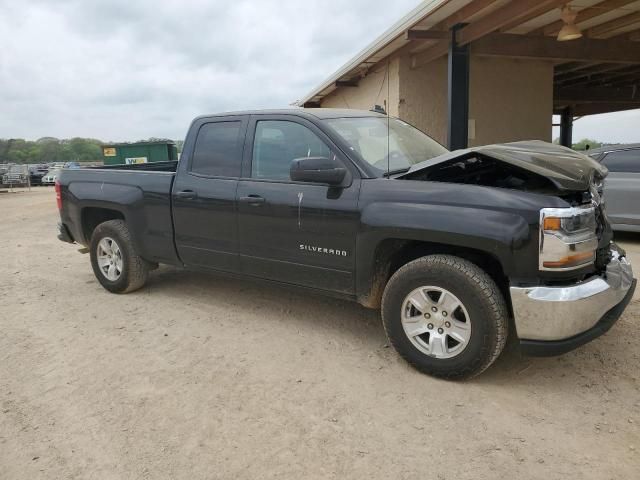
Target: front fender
[(501, 234)]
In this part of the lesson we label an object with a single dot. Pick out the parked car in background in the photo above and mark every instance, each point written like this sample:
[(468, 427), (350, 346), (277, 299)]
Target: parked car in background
[(51, 176), (36, 172), (622, 185), (16, 176), (4, 168)]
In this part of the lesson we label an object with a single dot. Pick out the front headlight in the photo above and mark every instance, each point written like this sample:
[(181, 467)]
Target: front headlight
[(567, 238)]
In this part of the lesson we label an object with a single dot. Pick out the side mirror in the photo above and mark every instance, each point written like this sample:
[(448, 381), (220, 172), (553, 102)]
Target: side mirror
[(317, 170)]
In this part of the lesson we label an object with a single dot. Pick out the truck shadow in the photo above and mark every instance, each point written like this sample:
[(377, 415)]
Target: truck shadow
[(352, 324), (305, 308), (627, 237)]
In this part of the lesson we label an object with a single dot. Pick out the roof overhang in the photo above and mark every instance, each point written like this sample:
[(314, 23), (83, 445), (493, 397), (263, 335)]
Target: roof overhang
[(605, 62), (384, 45)]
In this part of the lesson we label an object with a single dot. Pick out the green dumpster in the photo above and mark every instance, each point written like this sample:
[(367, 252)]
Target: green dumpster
[(139, 152)]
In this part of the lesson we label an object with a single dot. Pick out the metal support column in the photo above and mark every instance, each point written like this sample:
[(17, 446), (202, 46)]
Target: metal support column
[(566, 127), (458, 93)]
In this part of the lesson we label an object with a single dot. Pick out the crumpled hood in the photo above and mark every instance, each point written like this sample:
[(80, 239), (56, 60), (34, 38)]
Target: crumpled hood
[(566, 168)]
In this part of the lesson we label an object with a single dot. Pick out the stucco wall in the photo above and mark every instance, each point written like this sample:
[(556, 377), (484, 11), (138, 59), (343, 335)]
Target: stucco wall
[(510, 99), (423, 97), (371, 90)]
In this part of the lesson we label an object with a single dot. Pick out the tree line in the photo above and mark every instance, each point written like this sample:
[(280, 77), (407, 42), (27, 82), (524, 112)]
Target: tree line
[(586, 144), (50, 149)]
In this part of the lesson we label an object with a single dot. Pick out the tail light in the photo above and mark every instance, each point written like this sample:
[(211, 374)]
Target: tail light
[(58, 195)]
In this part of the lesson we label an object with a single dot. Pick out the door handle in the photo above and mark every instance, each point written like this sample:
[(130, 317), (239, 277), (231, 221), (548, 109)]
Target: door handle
[(187, 194), (254, 200)]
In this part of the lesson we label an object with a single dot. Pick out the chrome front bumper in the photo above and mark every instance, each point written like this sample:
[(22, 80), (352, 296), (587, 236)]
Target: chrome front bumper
[(549, 314)]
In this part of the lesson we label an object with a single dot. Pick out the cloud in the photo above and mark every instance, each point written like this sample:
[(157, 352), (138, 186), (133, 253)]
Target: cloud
[(618, 127), (130, 69)]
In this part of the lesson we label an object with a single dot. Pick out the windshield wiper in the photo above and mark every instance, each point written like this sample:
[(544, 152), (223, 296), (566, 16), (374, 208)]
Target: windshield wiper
[(395, 172)]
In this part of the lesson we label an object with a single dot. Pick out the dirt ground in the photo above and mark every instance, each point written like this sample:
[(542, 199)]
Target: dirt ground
[(198, 377)]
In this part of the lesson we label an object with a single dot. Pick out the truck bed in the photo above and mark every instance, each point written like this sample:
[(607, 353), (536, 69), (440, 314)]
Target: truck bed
[(141, 194), (170, 166)]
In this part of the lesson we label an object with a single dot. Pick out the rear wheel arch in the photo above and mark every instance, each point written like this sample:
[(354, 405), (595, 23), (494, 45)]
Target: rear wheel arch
[(91, 217)]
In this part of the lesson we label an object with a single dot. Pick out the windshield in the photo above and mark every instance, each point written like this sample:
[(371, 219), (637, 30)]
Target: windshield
[(406, 145)]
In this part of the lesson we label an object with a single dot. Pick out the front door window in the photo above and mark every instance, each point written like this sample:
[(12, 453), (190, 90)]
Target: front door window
[(277, 143)]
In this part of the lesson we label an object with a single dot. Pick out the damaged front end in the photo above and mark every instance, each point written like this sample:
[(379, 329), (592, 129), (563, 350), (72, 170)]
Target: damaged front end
[(556, 313), (570, 238), (533, 166)]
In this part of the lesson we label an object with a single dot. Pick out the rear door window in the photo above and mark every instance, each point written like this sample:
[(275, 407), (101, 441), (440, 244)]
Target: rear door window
[(623, 161), (218, 150)]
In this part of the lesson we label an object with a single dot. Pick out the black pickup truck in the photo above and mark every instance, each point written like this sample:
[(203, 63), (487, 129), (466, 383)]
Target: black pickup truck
[(455, 248)]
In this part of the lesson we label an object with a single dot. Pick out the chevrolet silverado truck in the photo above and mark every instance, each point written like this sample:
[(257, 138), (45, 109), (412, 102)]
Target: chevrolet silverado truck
[(455, 248)]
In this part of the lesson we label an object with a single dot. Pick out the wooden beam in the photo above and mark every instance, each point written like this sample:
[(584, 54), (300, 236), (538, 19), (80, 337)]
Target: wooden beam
[(631, 35), (426, 35), (609, 79), (627, 81), (604, 72), (347, 83), (572, 67), (603, 29), (589, 51), (584, 49), (574, 95), (583, 15), (582, 109), (622, 81), (588, 72), (442, 48), (464, 14), (512, 14), (535, 13)]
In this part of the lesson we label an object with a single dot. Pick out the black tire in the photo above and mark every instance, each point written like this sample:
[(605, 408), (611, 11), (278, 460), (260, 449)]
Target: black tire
[(135, 269), (478, 293)]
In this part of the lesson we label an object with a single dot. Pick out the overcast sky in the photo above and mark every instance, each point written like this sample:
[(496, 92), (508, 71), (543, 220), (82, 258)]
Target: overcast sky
[(132, 69)]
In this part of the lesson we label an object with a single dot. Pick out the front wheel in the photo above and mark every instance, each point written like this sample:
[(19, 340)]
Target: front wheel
[(445, 316), (114, 259)]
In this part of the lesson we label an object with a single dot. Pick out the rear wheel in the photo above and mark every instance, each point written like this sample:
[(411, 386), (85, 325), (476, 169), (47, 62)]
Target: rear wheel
[(445, 316), (115, 261)]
